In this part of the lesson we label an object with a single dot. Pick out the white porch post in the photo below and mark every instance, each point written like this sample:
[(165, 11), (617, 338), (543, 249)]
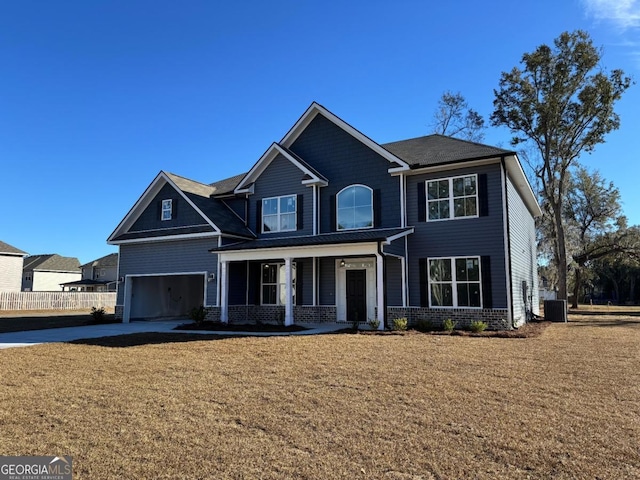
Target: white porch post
[(224, 296), (126, 314), (380, 290), (404, 281), (288, 286), (315, 286)]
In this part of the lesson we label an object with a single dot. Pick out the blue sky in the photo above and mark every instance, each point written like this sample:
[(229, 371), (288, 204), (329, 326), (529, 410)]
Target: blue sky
[(97, 97)]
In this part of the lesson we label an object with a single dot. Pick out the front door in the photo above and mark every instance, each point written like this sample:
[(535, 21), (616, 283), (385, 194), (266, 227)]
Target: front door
[(356, 295)]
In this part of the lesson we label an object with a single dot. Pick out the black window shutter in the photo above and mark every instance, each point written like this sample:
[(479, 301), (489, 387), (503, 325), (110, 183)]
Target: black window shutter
[(487, 296), (299, 283), (299, 203), (174, 208), (422, 202), (159, 208), (377, 208), (483, 195), (424, 283), (258, 217), (332, 214)]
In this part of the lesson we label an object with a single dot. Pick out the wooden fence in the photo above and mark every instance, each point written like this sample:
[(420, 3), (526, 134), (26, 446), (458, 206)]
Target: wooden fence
[(56, 300)]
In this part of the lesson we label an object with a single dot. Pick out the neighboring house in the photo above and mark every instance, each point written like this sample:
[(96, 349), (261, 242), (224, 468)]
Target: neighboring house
[(100, 275), (47, 273), (329, 225), (11, 261)]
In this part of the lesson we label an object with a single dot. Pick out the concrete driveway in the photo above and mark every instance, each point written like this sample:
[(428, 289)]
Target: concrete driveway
[(52, 335)]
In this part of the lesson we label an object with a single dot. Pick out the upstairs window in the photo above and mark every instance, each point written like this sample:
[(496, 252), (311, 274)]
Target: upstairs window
[(166, 209), (279, 214), (455, 197), (354, 208)]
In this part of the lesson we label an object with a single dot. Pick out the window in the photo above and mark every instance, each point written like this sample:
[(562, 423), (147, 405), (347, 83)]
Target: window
[(166, 209), (274, 290), (354, 208), (455, 197), (279, 214), (454, 282)]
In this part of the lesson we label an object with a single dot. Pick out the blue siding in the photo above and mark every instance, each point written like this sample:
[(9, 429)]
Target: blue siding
[(344, 161), (186, 216), (522, 244), (394, 281), (482, 236), (180, 256), (327, 281), (282, 177)]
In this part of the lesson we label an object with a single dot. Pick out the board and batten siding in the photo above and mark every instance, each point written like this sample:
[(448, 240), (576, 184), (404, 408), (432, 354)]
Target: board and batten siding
[(522, 245), (481, 236), (11, 273), (281, 177), (344, 161), (184, 215), (167, 257)]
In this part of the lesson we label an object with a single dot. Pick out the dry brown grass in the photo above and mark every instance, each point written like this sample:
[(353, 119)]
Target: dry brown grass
[(565, 404)]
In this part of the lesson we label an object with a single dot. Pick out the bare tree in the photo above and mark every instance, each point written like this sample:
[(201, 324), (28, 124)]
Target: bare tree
[(454, 118)]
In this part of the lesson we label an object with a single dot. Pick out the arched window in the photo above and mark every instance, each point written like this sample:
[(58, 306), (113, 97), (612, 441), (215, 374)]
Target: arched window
[(354, 207)]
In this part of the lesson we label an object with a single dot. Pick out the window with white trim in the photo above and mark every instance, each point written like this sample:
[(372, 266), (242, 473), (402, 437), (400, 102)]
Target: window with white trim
[(455, 197), (455, 282), (166, 209), (354, 206), (279, 214), (273, 286)]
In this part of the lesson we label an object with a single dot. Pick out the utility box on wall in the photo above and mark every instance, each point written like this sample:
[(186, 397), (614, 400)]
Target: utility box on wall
[(555, 310)]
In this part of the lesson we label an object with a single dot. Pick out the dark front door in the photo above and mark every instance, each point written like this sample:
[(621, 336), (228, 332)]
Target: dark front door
[(356, 295)]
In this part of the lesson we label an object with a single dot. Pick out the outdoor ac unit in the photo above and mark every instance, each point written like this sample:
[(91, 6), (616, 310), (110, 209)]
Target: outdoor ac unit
[(555, 310)]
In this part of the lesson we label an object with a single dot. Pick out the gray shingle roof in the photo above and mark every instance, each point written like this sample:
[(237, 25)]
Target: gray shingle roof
[(110, 260), (440, 149), (52, 262), (213, 208), (6, 249), (227, 185), (360, 236)]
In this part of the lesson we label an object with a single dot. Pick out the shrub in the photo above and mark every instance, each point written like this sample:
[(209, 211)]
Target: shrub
[(399, 324), (448, 325), (374, 323), (97, 314), (424, 325), (198, 314), (477, 326)]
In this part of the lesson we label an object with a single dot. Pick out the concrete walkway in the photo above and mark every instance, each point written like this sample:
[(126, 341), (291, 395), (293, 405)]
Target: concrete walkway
[(52, 335)]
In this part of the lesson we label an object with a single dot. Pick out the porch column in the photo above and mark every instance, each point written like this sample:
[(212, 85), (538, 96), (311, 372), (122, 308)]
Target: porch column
[(224, 296), (380, 290), (288, 286), (128, 298)]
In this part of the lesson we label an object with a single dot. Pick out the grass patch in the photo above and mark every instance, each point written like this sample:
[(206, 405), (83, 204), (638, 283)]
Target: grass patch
[(560, 405)]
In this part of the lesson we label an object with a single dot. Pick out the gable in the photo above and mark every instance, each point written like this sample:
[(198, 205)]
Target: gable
[(194, 213), (336, 153), (182, 214)]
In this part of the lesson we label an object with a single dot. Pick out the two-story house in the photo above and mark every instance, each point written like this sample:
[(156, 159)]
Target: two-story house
[(100, 275), (47, 273), (11, 262), (329, 225)]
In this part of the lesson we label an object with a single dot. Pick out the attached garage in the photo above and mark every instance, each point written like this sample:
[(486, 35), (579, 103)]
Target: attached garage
[(164, 296)]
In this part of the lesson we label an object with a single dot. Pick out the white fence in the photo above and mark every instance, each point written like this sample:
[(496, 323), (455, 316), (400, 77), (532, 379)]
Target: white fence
[(56, 300)]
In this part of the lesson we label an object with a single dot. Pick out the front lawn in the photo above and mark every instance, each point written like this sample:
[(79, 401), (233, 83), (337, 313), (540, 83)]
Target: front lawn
[(565, 404)]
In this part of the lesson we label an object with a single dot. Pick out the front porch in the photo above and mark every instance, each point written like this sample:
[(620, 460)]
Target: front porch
[(311, 281)]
